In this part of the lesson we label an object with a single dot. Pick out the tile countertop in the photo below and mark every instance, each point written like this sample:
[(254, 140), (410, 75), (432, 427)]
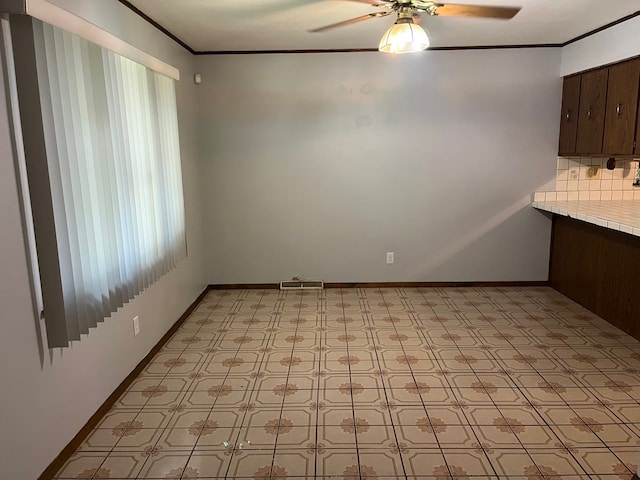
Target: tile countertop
[(621, 215)]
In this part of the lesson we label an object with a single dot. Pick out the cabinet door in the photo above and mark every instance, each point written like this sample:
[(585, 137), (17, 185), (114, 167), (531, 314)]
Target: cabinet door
[(622, 106), (593, 96), (636, 143), (569, 118)]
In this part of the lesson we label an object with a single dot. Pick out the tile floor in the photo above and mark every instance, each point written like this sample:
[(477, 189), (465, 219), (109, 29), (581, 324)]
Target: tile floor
[(457, 383)]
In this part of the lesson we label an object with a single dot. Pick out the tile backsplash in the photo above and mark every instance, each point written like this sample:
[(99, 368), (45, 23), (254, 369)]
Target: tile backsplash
[(584, 178)]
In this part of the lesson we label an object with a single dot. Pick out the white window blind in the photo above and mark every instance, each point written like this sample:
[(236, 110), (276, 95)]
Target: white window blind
[(113, 161)]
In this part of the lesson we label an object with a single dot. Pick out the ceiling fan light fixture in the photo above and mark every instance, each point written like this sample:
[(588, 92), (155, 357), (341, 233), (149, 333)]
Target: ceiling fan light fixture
[(404, 36)]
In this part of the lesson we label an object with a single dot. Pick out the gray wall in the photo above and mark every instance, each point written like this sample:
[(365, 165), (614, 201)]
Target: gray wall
[(316, 165), (311, 165), (47, 399)]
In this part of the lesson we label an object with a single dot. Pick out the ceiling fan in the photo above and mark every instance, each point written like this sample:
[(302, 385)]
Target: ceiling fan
[(405, 35)]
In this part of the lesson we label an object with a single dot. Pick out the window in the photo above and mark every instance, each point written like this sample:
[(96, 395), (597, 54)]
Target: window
[(104, 170)]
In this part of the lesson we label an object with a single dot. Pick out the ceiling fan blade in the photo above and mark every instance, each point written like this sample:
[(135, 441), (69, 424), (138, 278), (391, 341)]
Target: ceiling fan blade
[(351, 21), (461, 10), (373, 3)]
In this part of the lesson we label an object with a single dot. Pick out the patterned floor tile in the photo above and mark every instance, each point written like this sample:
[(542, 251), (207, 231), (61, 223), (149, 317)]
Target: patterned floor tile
[(380, 463), (512, 462), (501, 436), (415, 383), (245, 464), (456, 436), (161, 464), (103, 439), (535, 436), (293, 463), (83, 465), (556, 462), (424, 462), (374, 436), (338, 463), (121, 465), (600, 461), (206, 465), (290, 437), (466, 463), (337, 436)]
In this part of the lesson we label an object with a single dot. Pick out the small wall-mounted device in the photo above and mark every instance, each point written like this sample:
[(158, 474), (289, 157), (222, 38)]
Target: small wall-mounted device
[(593, 172), (197, 79)]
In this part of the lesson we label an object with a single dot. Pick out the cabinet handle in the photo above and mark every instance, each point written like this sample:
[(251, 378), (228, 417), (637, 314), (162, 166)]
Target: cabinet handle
[(568, 116), (589, 114), (619, 109)]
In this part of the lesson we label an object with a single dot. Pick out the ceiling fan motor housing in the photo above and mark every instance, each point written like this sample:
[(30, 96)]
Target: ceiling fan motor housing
[(405, 15)]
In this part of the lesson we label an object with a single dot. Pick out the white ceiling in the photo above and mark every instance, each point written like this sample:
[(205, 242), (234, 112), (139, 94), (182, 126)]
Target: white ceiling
[(222, 25)]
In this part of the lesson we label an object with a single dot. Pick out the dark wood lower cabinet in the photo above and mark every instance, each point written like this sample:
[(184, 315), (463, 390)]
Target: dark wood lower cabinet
[(598, 268)]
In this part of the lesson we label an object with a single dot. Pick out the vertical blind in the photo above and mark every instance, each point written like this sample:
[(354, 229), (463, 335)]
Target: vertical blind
[(113, 158)]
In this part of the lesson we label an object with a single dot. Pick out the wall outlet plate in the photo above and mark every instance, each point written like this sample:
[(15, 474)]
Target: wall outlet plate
[(390, 257), (136, 326), (593, 172)]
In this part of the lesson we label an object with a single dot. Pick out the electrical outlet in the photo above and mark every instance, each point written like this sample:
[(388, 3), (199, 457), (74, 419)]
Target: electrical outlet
[(390, 257), (593, 172), (574, 174), (136, 326)]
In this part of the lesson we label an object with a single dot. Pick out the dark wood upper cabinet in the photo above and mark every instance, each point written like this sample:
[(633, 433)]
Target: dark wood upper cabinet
[(636, 143), (593, 98), (601, 112), (569, 118), (622, 107)]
